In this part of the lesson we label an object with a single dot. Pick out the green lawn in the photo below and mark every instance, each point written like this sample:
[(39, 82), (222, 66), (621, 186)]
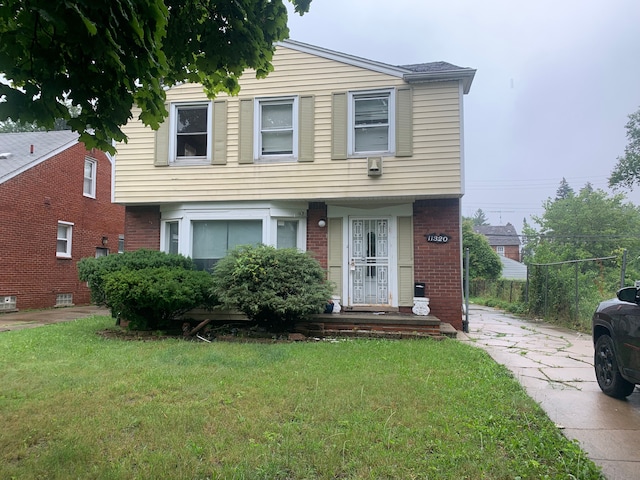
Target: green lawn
[(76, 405)]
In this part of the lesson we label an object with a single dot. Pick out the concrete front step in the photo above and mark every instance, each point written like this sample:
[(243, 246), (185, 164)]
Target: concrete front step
[(375, 324)]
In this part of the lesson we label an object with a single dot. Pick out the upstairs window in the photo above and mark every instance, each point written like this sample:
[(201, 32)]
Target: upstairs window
[(276, 129), (89, 188), (63, 240), (191, 126), (500, 250), (372, 122)]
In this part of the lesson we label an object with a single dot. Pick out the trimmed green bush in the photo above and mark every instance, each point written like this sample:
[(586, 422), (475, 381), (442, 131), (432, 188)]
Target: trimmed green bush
[(151, 298), (147, 287), (93, 270), (273, 287)]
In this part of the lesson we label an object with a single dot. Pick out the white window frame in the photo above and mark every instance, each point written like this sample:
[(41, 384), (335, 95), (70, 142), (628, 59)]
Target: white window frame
[(69, 229), (500, 250), (257, 131), (92, 179), (173, 137), (351, 112), (268, 212)]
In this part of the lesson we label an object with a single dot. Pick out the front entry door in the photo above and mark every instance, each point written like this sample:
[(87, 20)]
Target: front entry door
[(369, 262)]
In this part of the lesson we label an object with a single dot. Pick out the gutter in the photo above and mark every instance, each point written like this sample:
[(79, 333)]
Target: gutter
[(464, 75)]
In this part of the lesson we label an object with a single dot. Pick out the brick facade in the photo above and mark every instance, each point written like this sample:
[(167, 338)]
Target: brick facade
[(439, 265), (142, 227), (31, 204), (511, 251), (317, 241)]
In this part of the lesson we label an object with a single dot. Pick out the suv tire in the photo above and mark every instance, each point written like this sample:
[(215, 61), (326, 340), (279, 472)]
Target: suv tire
[(607, 372)]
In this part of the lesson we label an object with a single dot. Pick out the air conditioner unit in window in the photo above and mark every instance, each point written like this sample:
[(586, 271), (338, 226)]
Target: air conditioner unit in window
[(374, 166)]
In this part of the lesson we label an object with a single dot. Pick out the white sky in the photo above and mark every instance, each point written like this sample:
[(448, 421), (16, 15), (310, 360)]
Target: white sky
[(555, 83)]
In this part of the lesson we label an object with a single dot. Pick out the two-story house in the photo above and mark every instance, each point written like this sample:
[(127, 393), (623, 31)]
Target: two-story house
[(503, 239), (56, 207), (357, 161)]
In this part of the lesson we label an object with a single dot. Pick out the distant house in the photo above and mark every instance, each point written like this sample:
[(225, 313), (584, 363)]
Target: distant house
[(356, 161), (503, 239), (56, 207)]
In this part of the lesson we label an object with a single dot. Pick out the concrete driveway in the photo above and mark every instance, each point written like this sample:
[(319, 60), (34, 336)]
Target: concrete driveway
[(555, 366), (35, 318)]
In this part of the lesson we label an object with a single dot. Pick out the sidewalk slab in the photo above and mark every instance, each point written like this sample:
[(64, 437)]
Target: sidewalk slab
[(555, 367)]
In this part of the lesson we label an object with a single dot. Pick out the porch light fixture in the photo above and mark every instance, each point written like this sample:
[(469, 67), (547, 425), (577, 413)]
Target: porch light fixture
[(105, 240), (322, 223)]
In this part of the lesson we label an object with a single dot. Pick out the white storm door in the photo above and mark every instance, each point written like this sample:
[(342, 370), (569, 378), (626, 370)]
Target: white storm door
[(369, 262)]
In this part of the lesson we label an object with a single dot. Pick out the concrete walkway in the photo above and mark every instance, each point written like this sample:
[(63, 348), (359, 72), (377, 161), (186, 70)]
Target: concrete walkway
[(555, 366)]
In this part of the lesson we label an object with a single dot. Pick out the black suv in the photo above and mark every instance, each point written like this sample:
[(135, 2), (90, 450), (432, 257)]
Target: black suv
[(616, 337)]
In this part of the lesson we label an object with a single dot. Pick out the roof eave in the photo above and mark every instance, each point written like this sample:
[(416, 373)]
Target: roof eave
[(344, 58), (465, 75)]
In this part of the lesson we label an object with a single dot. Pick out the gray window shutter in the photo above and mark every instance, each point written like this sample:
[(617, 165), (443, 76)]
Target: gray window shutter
[(306, 128), (404, 122), (219, 137), (339, 126), (245, 154), (161, 153)]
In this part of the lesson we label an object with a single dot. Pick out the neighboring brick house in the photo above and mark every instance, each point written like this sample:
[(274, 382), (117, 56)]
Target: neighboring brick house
[(55, 202), (357, 161), (503, 239)]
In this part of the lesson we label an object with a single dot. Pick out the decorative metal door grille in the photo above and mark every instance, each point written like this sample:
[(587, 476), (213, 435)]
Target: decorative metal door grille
[(369, 265)]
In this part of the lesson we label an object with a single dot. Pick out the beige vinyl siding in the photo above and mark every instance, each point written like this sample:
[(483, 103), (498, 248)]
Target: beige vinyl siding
[(432, 170)]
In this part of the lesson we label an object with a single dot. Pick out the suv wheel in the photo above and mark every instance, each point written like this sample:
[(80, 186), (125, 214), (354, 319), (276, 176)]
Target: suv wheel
[(607, 371)]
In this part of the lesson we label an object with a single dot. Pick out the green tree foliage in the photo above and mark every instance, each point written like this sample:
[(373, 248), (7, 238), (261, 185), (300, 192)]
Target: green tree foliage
[(564, 190), (626, 173), (484, 262), (479, 218), (587, 225), (273, 287), (107, 56)]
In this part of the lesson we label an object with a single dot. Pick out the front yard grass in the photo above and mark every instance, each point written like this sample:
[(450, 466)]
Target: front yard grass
[(76, 405)]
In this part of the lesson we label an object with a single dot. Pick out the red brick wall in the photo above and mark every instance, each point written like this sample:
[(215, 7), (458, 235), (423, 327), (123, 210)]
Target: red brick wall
[(142, 228), (31, 204), (317, 241), (437, 264), (512, 252)]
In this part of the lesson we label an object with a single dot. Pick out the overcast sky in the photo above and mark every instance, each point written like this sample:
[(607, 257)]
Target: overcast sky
[(555, 83)]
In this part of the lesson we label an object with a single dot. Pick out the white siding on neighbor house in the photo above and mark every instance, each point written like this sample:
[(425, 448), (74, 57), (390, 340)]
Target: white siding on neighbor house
[(433, 169)]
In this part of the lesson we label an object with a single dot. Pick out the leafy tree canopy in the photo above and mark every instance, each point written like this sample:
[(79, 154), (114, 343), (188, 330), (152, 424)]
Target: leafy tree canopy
[(587, 225), (564, 190), (484, 262), (626, 173), (479, 218), (109, 56)]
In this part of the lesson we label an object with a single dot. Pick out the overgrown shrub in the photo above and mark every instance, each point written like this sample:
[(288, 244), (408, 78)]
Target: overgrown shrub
[(147, 287), (273, 287), (150, 298), (93, 270)]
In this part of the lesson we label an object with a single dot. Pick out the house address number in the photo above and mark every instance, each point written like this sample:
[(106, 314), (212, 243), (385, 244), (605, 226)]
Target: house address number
[(437, 237)]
